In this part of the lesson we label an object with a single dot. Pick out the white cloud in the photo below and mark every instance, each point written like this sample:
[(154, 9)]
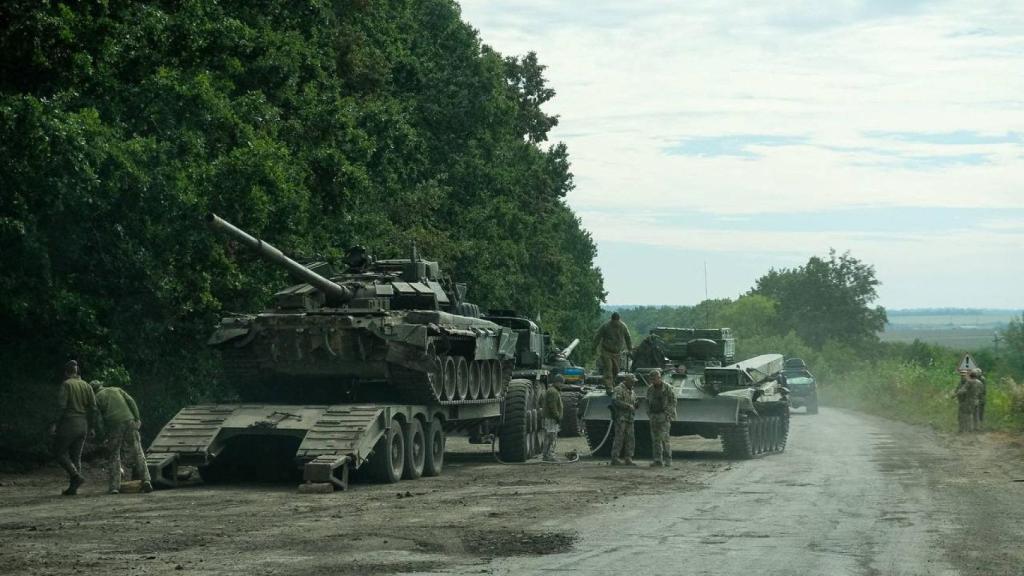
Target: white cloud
[(635, 79)]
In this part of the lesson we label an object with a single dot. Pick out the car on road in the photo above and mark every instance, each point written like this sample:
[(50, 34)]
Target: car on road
[(802, 386)]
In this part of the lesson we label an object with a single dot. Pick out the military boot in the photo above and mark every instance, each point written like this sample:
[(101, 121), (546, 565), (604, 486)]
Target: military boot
[(628, 462), (616, 462)]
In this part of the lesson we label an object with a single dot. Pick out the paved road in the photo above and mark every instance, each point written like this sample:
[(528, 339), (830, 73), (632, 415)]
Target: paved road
[(851, 495)]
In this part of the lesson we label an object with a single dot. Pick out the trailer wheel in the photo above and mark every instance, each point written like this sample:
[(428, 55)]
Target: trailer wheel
[(514, 435), (387, 463), (571, 422), (433, 457), (415, 449)]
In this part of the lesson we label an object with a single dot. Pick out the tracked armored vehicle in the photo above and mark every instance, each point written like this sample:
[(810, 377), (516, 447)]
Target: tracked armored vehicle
[(537, 359), (741, 403), (376, 365)]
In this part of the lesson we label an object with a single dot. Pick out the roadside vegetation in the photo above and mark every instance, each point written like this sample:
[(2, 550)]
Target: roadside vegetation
[(824, 312)]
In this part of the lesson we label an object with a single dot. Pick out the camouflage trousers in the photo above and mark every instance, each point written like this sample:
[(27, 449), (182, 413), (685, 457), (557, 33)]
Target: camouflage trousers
[(610, 365), (68, 444), (125, 436), (661, 449), (625, 439), (967, 417)]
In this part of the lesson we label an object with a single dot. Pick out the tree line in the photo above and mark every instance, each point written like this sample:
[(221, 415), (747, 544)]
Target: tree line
[(315, 125)]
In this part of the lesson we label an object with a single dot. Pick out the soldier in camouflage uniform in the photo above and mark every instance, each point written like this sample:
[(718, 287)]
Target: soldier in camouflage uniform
[(77, 405), (624, 405), (966, 394), (120, 420), (611, 339), (661, 408), (552, 416), (982, 390)]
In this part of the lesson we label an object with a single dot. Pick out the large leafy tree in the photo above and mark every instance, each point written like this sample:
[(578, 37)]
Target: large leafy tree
[(315, 125), (826, 299)]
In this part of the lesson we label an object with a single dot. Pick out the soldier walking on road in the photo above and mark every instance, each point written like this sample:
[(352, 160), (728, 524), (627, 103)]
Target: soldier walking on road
[(624, 404), (552, 417), (982, 390), (77, 405), (611, 340), (120, 420), (966, 394), (661, 408)]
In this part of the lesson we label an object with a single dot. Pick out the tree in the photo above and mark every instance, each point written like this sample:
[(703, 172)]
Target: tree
[(826, 299)]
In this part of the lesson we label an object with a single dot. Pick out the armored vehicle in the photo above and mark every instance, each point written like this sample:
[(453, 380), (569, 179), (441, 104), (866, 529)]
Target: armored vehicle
[(537, 359), (741, 403), (374, 365)]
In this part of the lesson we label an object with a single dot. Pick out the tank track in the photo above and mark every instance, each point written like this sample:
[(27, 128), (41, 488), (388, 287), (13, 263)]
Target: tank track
[(765, 432)]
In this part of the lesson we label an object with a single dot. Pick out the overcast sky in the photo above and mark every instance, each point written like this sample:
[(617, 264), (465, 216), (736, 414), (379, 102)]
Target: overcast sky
[(752, 135)]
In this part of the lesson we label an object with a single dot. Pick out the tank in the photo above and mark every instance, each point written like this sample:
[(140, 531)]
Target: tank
[(744, 404), (395, 331)]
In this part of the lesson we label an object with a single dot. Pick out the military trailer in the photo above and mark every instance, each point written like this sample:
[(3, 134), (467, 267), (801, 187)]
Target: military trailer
[(741, 403), (367, 371)]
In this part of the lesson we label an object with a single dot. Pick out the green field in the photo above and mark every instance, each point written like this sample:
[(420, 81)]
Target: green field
[(962, 329)]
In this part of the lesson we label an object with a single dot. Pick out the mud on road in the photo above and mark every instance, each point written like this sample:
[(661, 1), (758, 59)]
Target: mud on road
[(476, 510)]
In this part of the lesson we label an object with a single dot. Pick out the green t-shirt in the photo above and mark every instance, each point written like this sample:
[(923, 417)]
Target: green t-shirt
[(75, 398)]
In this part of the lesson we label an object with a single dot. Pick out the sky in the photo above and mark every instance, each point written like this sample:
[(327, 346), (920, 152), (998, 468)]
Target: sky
[(753, 135)]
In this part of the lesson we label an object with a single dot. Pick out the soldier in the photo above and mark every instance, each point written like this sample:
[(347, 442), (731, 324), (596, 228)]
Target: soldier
[(661, 407), (77, 405), (966, 395), (624, 402), (612, 338), (552, 416), (982, 386), (119, 418)]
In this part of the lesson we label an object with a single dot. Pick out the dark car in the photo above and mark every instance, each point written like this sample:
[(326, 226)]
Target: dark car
[(803, 388)]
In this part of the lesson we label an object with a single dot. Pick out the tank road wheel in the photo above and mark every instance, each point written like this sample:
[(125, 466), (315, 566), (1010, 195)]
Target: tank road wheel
[(736, 439), (474, 380), (485, 379), (449, 373), (415, 449), (572, 422), (461, 378), (433, 457), (498, 375), (513, 436), (435, 372), (387, 463)]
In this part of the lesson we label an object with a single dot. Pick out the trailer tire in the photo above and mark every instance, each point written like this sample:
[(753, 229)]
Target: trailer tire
[(514, 435), (415, 449), (387, 463), (433, 457)]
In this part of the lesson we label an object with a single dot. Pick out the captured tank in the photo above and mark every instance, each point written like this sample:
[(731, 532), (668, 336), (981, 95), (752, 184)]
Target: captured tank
[(381, 331), (372, 366), (742, 403)]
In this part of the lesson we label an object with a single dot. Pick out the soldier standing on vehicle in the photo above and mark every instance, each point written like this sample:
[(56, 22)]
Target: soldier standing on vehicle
[(661, 408), (120, 421), (966, 394), (624, 401), (77, 405), (552, 416), (982, 390), (612, 338)]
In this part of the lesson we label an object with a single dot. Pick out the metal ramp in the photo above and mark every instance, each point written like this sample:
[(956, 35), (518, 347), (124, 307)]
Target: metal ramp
[(340, 441), (187, 436)]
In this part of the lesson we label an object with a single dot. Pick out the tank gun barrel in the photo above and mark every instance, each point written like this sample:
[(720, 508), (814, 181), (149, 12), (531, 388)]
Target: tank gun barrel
[(268, 252), (568, 349)]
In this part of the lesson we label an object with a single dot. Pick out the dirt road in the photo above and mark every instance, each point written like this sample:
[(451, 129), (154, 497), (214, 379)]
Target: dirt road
[(851, 495)]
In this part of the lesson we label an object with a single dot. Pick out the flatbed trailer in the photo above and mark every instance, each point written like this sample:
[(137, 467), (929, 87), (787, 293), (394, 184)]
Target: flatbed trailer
[(394, 440)]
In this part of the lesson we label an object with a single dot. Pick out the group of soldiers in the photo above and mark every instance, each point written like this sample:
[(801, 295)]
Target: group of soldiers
[(611, 341), (970, 395), (91, 410)]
